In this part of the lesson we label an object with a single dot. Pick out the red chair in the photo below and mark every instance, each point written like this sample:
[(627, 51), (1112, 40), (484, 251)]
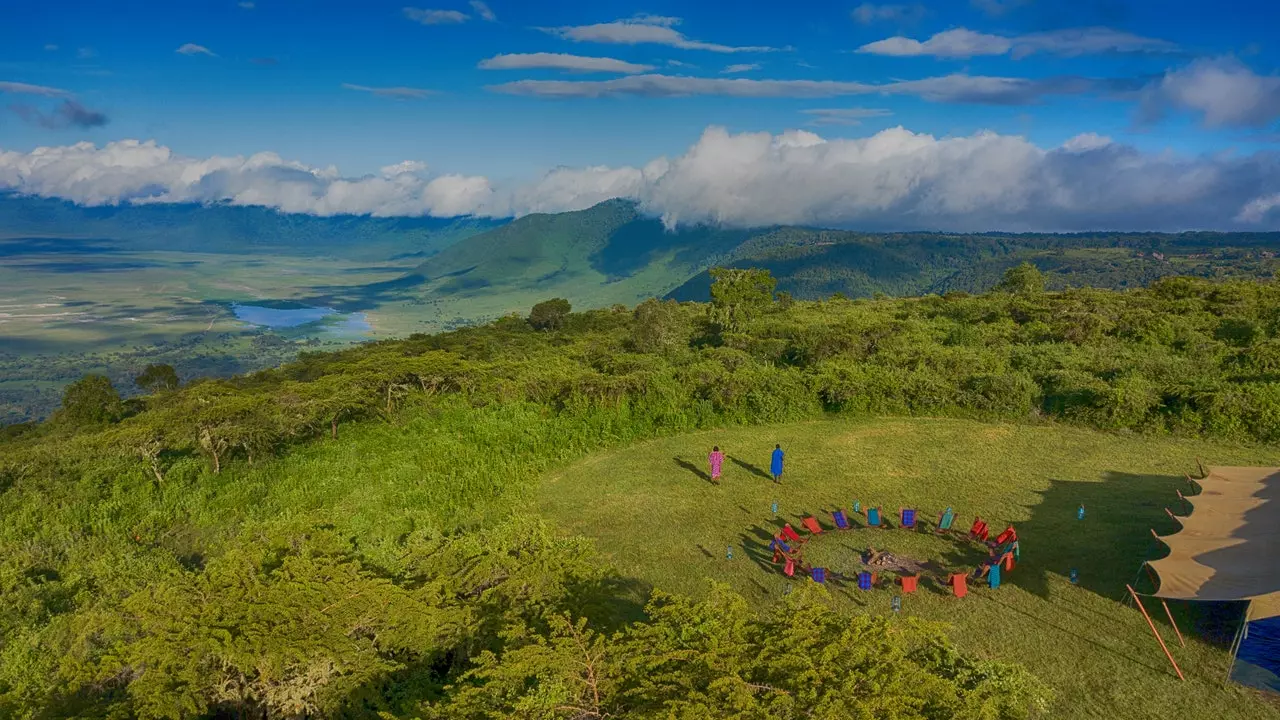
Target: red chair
[(811, 524), (1009, 535), (979, 530), (909, 583), (790, 533), (959, 584)]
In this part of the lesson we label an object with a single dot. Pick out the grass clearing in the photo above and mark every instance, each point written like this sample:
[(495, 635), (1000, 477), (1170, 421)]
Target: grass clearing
[(652, 510)]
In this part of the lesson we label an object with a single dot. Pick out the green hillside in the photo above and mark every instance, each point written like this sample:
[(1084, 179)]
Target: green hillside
[(406, 527), (606, 254)]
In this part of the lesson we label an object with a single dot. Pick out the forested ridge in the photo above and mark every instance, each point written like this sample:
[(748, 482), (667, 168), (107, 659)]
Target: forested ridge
[(247, 546)]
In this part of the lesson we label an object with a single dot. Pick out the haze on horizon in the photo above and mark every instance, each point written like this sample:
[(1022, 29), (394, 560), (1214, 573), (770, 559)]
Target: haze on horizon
[(993, 114)]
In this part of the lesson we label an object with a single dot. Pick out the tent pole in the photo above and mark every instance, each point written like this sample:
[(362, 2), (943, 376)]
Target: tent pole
[(1171, 622), (1155, 632), (1235, 644)]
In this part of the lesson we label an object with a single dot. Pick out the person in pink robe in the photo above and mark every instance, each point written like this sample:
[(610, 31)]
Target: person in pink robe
[(716, 458)]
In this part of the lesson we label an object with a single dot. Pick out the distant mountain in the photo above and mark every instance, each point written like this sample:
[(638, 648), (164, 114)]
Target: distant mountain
[(606, 254), (233, 229)]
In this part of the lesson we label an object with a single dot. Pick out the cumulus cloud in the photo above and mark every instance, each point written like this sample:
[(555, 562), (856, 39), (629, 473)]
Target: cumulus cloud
[(395, 93), (68, 113), (949, 88), (561, 61), (644, 30), (482, 9), (843, 116), (963, 43), (892, 180), (868, 13), (1224, 91), (193, 49), (740, 68), (28, 89), (435, 17)]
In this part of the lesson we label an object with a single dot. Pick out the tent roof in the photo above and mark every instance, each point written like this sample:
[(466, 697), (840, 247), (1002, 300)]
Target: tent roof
[(1229, 546)]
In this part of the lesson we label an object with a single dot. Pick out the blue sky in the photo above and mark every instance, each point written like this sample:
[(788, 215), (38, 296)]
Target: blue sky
[(369, 84)]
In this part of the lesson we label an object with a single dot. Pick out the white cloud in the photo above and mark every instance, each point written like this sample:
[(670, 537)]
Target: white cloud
[(1256, 210), (396, 93), (679, 64), (843, 116), (1084, 142), (643, 30), (963, 43), (193, 49), (561, 61), (740, 68), (949, 88), (28, 89), (407, 167), (868, 13), (246, 5), (1223, 91), (892, 180), (482, 9), (435, 17)]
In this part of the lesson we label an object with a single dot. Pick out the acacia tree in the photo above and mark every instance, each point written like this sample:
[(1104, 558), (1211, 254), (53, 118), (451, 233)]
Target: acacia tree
[(740, 294), (549, 314), (156, 377)]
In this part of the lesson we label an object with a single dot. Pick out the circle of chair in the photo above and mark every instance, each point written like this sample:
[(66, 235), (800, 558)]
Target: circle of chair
[(1003, 551)]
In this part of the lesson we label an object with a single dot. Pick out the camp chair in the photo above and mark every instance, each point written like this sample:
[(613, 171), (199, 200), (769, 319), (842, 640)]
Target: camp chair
[(811, 524), (819, 575), (959, 584), (842, 522), (790, 568), (1007, 561), (993, 576), (946, 520), (866, 580), (1008, 535), (780, 549), (909, 583), (907, 518), (790, 533), (874, 519), (979, 530)]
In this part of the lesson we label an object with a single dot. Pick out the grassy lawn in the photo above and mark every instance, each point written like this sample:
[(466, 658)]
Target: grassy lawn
[(652, 510)]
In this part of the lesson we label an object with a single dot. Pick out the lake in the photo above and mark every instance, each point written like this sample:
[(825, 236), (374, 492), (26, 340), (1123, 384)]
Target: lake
[(286, 316)]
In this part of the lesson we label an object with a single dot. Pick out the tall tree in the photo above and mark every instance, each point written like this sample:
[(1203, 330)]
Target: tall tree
[(92, 400), (1024, 279), (738, 295)]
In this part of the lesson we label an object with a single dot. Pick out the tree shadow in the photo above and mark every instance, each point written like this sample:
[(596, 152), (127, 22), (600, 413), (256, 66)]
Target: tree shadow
[(1110, 545), (702, 474), (749, 467)]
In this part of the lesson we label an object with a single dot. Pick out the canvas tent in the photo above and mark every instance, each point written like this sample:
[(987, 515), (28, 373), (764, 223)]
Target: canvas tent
[(1229, 546)]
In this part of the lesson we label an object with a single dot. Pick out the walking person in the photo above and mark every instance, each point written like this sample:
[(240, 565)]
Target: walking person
[(716, 459), (775, 466)]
